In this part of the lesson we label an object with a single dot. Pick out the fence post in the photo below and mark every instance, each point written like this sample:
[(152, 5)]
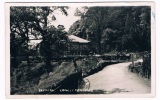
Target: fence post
[(132, 59)]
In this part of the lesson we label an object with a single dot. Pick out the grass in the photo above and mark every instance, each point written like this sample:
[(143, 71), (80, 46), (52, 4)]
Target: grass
[(66, 69), (27, 80), (37, 78), (88, 65)]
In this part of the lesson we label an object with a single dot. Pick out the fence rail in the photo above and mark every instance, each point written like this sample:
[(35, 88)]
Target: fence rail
[(143, 66)]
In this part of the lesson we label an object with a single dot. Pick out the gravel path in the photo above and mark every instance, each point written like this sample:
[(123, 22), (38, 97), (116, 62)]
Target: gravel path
[(118, 79)]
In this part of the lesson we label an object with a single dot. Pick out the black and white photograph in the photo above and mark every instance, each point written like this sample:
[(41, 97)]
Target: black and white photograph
[(80, 49)]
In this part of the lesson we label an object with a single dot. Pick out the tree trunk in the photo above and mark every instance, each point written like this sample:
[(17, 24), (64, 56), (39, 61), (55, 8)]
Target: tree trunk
[(27, 54), (99, 40), (14, 78), (48, 63), (13, 67), (14, 63), (47, 45)]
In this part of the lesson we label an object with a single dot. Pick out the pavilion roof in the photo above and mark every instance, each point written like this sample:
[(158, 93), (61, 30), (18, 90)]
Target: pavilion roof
[(74, 38)]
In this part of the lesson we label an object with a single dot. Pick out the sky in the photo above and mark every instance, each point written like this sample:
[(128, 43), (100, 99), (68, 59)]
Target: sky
[(62, 19)]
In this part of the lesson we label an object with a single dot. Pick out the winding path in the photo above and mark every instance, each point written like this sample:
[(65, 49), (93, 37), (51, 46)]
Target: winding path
[(118, 79)]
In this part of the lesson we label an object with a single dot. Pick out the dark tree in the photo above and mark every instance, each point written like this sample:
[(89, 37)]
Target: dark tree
[(116, 28)]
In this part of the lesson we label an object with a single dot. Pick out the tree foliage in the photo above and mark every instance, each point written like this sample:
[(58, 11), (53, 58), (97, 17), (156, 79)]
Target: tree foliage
[(33, 20), (116, 28)]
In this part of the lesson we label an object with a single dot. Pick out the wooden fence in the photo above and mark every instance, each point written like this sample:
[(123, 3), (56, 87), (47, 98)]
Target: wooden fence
[(143, 66)]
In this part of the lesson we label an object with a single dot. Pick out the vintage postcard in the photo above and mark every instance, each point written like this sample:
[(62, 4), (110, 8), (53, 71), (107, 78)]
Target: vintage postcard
[(92, 49)]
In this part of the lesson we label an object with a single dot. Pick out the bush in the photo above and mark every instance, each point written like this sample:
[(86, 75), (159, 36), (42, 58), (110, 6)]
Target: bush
[(147, 65)]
